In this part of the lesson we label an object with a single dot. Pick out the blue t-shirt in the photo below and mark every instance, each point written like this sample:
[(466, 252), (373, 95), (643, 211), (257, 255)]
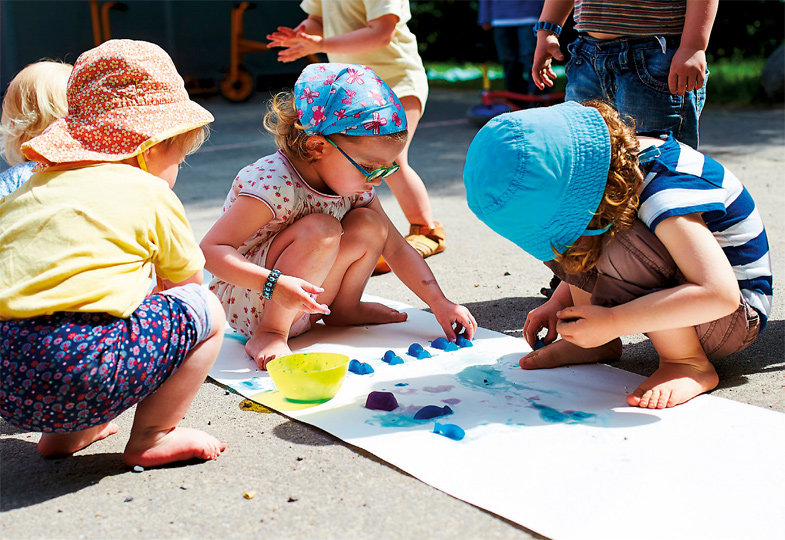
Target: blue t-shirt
[(11, 179), (683, 181)]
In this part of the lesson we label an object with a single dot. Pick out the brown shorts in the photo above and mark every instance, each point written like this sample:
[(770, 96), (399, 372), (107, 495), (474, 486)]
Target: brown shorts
[(634, 264)]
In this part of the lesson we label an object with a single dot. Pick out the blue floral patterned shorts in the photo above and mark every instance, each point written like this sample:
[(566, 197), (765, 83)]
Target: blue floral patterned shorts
[(71, 371)]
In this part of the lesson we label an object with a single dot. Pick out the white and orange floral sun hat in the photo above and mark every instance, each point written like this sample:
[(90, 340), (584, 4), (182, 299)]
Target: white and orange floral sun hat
[(124, 96)]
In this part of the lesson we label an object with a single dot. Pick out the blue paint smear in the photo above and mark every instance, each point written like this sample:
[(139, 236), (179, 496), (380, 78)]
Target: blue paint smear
[(554, 416), (402, 384), (394, 420), (239, 337), (491, 379)]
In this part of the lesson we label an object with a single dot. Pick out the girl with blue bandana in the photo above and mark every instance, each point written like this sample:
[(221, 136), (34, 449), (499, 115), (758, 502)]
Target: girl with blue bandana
[(302, 229), (663, 241)]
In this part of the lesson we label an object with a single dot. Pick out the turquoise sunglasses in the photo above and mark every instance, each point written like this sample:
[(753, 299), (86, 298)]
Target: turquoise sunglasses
[(381, 172)]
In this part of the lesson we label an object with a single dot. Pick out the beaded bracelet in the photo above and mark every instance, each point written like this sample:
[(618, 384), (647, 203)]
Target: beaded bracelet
[(549, 26), (269, 284)]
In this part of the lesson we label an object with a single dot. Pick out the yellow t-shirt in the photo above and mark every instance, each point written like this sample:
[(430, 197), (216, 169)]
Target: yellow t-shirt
[(399, 64), (87, 240)]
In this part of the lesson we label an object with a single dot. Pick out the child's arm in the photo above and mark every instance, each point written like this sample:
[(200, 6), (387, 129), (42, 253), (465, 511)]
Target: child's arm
[(220, 247), (553, 11), (688, 67), (412, 270), (286, 37), (711, 291), (376, 35), (544, 316)]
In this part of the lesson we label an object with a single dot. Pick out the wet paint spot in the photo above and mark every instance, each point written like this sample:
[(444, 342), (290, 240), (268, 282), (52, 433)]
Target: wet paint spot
[(451, 401), (438, 389)]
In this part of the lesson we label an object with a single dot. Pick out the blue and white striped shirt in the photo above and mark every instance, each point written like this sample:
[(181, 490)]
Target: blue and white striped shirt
[(683, 181)]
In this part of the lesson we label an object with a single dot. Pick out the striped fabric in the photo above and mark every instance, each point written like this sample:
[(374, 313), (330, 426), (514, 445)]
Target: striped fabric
[(683, 181), (630, 17)]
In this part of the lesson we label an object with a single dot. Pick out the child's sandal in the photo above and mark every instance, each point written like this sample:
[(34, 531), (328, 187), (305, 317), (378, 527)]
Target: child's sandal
[(425, 241)]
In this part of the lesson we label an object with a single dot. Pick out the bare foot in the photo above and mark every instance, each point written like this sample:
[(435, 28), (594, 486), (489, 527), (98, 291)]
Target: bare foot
[(179, 444), (365, 313), (63, 444), (674, 383), (563, 353), (264, 346)]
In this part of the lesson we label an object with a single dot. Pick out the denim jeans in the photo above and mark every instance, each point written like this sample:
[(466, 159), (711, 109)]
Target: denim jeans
[(632, 75), (515, 49)]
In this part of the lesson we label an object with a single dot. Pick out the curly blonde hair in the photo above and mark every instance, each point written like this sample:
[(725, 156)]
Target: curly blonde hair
[(284, 124), (619, 205), (35, 98)]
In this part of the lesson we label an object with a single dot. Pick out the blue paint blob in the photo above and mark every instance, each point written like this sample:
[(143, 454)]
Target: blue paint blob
[(391, 358), (443, 344), (539, 344), (396, 360), (451, 431), (402, 384), (381, 401), (360, 368), (416, 350), (549, 414), (462, 342), (432, 411)]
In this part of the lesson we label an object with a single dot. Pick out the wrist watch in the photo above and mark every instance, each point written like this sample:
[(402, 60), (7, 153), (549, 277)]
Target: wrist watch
[(549, 26)]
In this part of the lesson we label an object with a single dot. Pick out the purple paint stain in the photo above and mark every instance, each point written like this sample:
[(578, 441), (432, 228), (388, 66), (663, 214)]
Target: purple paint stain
[(451, 401), (432, 411), (438, 389), (381, 401)]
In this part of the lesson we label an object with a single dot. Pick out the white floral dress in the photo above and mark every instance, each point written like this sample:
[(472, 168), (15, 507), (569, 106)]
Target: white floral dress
[(274, 181)]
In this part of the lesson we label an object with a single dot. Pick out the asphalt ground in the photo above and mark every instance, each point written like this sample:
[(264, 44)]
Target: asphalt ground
[(307, 483)]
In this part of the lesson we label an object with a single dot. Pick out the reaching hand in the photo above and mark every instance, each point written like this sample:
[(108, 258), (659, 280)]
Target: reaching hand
[(547, 49), (453, 318), (541, 317), (297, 294), (282, 37), (688, 70), (587, 326)]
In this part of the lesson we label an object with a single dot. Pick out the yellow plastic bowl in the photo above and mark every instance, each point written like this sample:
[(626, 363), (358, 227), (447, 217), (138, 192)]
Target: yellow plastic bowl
[(309, 377)]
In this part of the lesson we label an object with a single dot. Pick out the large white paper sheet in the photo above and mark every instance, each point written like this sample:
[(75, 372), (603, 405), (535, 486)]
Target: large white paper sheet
[(557, 451)]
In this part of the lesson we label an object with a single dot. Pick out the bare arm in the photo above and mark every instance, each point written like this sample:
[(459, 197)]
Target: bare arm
[(711, 291), (413, 271), (688, 67), (297, 44), (548, 48), (220, 247)]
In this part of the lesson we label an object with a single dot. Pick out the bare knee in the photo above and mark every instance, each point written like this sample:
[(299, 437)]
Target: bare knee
[(321, 230), (366, 226), (217, 314)]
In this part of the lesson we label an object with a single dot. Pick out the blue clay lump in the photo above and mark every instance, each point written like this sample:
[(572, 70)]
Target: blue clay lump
[(381, 401), (444, 345), (391, 358), (539, 344), (432, 411), (416, 350), (360, 368), (451, 431), (462, 342)]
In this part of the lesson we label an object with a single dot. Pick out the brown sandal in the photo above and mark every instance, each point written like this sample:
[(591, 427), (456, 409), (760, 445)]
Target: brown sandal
[(425, 241)]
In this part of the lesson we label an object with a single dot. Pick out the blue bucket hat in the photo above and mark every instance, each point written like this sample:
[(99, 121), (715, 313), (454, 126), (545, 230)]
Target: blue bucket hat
[(346, 98), (537, 176)]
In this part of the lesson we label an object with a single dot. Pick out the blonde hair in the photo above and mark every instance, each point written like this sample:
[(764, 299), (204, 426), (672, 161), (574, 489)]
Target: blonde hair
[(619, 205), (284, 124), (190, 141), (35, 98)]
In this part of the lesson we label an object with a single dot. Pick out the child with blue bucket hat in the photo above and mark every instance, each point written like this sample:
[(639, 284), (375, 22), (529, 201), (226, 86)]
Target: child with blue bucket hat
[(663, 241), (302, 229)]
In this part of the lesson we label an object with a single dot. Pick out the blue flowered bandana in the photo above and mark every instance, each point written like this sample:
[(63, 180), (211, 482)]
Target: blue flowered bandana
[(348, 99)]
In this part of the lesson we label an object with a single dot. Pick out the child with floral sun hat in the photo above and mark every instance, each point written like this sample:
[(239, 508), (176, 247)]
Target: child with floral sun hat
[(81, 340), (302, 229), (663, 241)]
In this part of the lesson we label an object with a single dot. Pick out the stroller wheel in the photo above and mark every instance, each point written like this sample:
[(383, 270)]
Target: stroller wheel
[(479, 114)]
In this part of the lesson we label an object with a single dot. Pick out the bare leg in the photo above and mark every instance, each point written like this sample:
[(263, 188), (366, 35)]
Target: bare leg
[(406, 184), (155, 438), (563, 353), (365, 233), (306, 249), (63, 444), (684, 372)]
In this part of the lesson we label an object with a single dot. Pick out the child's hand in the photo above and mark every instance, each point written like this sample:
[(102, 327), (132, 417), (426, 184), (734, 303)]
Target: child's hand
[(541, 317), (453, 318), (282, 37), (547, 49), (688, 70), (297, 294), (296, 44), (587, 326)]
